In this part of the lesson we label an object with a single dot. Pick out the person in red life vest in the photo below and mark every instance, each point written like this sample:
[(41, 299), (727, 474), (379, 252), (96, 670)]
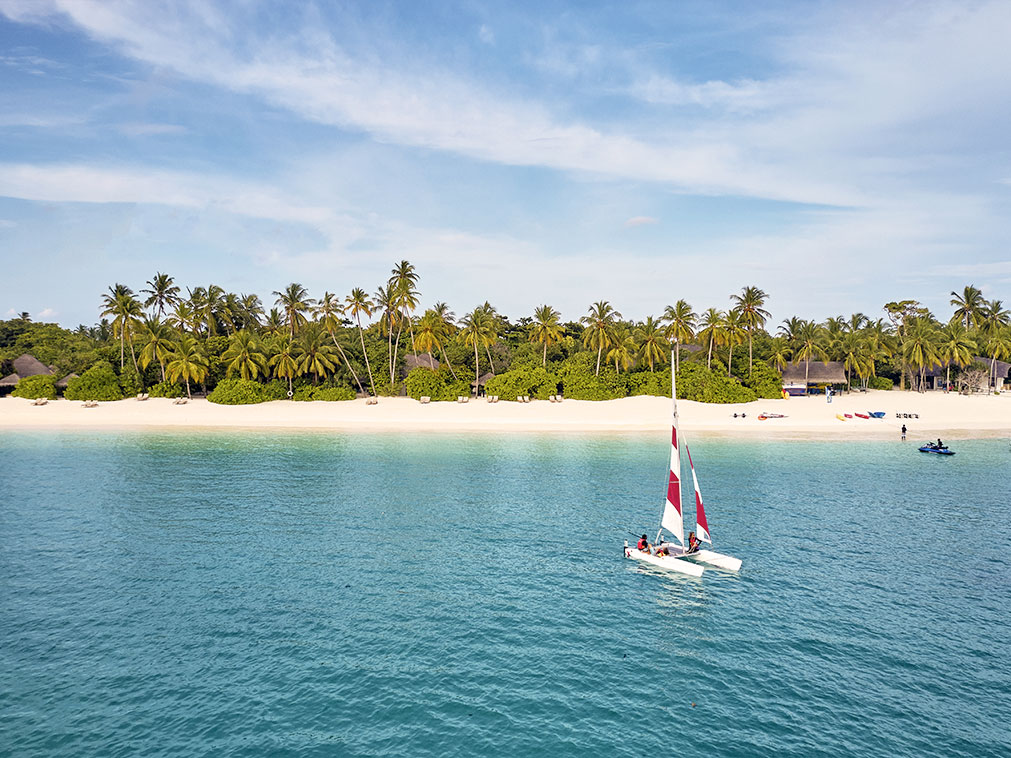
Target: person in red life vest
[(693, 543), (643, 544)]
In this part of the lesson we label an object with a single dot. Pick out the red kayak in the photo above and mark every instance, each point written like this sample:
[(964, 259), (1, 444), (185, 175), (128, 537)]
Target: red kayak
[(862, 415)]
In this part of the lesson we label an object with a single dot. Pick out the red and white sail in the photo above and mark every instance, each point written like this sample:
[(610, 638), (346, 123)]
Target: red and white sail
[(701, 525), (672, 520)]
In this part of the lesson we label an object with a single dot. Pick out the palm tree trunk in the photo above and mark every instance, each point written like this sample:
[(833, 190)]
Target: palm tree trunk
[(361, 336), (347, 362), (442, 350), (490, 361), (730, 360), (188, 393), (122, 349), (544, 358), (709, 359), (477, 370), (750, 364), (807, 372), (396, 354), (947, 377), (599, 351)]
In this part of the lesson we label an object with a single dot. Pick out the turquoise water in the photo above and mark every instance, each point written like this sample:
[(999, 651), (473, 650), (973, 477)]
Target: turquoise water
[(265, 594)]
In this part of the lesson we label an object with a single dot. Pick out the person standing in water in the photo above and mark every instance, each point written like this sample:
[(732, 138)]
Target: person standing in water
[(903, 432)]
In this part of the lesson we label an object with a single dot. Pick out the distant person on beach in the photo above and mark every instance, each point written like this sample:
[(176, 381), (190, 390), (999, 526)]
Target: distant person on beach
[(903, 431), (693, 543)]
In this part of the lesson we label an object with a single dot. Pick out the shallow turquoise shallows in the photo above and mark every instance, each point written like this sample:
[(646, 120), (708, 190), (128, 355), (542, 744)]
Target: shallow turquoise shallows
[(264, 594)]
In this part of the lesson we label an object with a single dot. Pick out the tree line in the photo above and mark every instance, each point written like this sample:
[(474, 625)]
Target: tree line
[(361, 340)]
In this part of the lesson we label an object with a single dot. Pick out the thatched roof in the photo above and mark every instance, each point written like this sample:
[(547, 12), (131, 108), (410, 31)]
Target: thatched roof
[(66, 380), (483, 380), (412, 362), (10, 380), (27, 365), (832, 372)]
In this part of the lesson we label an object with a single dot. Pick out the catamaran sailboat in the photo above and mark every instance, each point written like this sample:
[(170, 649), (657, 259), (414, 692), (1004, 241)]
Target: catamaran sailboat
[(667, 554)]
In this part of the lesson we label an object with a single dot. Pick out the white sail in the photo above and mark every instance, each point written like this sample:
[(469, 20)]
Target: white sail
[(672, 519)]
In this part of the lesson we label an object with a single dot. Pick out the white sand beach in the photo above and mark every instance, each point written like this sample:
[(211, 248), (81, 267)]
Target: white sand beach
[(806, 417)]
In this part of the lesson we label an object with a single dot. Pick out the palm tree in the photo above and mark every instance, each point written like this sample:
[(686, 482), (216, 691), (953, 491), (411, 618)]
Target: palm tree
[(358, 302), (476, 329), (245, 355), (317, 357), (496, 321), (403, 279), (294, 301), (188, 362), (753, 316), (919, 347), (546, 329), (185, 318), (998, 346), (274, 324), (968, 306), (954, 346), (852, 349), (599, 331), (623, 348), (329, 310), (652, 346), (810, 344), (429, 336), (386, 306), (212, 304), (159, 345), (734, 332), (790, 328), (126, 313), (781, 352), (680, 320), (446, 329), (252, 311), (162, 292), (231, 313), (711, 332), (284, 361)]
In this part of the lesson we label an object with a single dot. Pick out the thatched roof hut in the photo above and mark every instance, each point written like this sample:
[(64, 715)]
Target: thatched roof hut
[(421, 360), (832, 372), (483, 380), (10, 380), (27, 365), (62, 384)]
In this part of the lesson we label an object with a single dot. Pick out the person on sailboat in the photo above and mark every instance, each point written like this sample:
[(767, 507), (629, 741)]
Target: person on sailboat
[(643, 545), (693, 543)]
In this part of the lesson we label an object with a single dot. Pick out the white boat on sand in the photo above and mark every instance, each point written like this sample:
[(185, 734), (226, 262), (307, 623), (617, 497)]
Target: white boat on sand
[(675, 556)]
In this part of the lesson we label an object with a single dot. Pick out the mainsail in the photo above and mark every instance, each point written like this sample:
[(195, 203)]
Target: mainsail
[(671, 519), (701, 525)]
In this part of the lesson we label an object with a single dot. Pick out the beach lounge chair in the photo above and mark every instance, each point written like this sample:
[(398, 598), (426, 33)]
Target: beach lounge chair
[(372, 401), (425, 400), (142, 396), (40, 401), (179, 401), (90, 403)]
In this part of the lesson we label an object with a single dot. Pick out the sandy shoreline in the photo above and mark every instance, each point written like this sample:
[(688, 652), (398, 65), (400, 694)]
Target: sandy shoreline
[(941, 415)]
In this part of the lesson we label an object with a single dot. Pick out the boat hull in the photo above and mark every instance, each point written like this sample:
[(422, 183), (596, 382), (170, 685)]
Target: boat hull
[(935, 451), (709, 557), (668, 563)]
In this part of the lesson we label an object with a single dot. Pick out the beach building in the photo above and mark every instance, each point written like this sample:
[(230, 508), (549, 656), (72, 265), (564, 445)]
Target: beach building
[(421, 360), (24, 366), (477, 386), (799, 379), (937, 373)]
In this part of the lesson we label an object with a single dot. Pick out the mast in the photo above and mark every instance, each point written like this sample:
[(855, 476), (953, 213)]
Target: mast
[(701, 525), (672, 520)]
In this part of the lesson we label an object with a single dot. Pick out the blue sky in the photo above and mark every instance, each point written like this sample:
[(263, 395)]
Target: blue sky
[(838, 155)]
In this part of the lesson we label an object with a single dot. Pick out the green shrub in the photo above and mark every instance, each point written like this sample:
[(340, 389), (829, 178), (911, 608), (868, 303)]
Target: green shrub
[(309, 393), (765, 381), (423, 382), (33, 387), (579, 381), (650, 383), (129, 381), (696, 382), (166, 389), (880, 383), (97, 383), (236, 391), (385, 389), (275, 390), (532, 381)]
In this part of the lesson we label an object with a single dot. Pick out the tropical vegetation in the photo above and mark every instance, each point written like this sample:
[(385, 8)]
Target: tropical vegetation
[(172, 341)]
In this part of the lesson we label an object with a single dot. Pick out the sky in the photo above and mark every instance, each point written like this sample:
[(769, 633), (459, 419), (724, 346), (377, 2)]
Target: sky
[(838, 155)]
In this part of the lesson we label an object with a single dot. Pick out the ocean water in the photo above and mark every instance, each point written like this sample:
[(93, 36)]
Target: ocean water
[(266, 594)]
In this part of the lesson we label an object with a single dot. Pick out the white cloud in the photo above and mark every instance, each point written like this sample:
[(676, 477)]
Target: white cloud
[(46, 313), (641, 221), (486, 35), (148, 130)]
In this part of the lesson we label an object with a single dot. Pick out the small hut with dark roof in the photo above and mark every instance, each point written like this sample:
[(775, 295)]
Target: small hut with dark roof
[(412, 362), (818, 374), (936, 373), (27, 365), (478, 384), (62, 384)]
